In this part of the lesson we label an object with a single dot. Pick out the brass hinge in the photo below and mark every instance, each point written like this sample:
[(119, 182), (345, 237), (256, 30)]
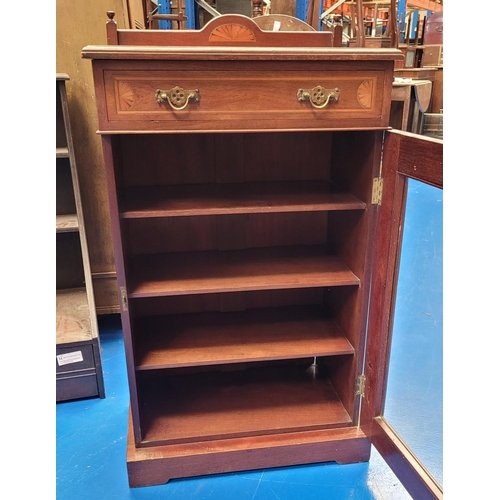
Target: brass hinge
[(123, 294), (378, 186), (360, 386)]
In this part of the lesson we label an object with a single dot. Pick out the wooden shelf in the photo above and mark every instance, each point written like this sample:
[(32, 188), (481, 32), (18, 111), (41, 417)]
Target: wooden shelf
[(67, 223), (62, 152), (72, 316), (238, 270), (216, 199), (225, 404), (255, 335)]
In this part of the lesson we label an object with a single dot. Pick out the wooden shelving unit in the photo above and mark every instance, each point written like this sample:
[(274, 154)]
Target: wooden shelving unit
[(254, 237), (243, 258), (78, 357)]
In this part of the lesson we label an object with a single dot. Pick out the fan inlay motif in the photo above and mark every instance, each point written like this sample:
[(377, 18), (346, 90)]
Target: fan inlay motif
[(365, 94), (232, 33), (126, 95)]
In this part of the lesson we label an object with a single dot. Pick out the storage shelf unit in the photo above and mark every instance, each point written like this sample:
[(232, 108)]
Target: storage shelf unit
[(244, 227), (256, 227), (78, 357)]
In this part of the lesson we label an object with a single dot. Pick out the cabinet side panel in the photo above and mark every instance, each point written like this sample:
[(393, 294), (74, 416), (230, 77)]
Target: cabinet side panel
[(109, 146)]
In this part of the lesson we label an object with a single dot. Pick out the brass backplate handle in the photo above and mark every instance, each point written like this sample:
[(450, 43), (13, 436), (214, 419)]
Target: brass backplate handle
[(178, 98), (319, 97)]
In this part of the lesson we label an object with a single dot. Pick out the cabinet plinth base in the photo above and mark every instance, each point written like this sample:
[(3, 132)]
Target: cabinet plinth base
[(151, 466)]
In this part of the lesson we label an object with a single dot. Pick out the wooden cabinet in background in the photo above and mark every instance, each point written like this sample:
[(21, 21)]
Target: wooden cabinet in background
[(78, 356), (252, 223)]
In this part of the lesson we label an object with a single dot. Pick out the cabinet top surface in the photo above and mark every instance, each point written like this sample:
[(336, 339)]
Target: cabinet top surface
[(145, 52)]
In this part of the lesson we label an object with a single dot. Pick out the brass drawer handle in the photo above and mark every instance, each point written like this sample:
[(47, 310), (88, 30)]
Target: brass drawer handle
[(319, 97), (178, 98)]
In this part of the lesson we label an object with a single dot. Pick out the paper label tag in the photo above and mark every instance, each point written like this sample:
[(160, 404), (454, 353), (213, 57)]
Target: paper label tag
[(68, 358)]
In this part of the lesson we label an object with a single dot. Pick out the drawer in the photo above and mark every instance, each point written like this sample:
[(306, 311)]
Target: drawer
[(77, 386), (71, 359), (432, 56), (304, 96)]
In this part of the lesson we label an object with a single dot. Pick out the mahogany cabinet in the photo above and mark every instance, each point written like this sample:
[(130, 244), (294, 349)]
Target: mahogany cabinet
[(247, 192), (78, 354)]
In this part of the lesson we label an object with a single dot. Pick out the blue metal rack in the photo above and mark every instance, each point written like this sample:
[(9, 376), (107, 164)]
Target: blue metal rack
[(164, 8), (301, 7), (192, 12)]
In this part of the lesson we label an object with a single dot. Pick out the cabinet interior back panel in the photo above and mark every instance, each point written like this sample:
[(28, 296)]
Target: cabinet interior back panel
[(211, 158)]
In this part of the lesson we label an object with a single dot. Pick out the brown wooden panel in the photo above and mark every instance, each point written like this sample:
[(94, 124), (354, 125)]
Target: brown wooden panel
[(355, 160), (166, 159), (106, 293), (147, 236), (222, 301), (414, 477), (437, 92), (231, 232), (433, 32), (255, 96), (300, 228), (230, 153), (421, 158), (342, 371), (288, 157), (158, 464), (282, 298), (232, 30), (177, 304), (432, 56), (224, 232), (230, 198)]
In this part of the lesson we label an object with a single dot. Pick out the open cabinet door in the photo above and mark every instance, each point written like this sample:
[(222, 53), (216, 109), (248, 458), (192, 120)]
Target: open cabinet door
[(407, 159)]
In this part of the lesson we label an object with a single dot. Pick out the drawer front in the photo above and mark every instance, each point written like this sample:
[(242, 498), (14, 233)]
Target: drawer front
[(244, 100), (75, 387), (432, 56), (72, 359)]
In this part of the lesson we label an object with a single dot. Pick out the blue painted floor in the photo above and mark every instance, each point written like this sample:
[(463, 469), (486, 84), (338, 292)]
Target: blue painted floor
[(91, 434)]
